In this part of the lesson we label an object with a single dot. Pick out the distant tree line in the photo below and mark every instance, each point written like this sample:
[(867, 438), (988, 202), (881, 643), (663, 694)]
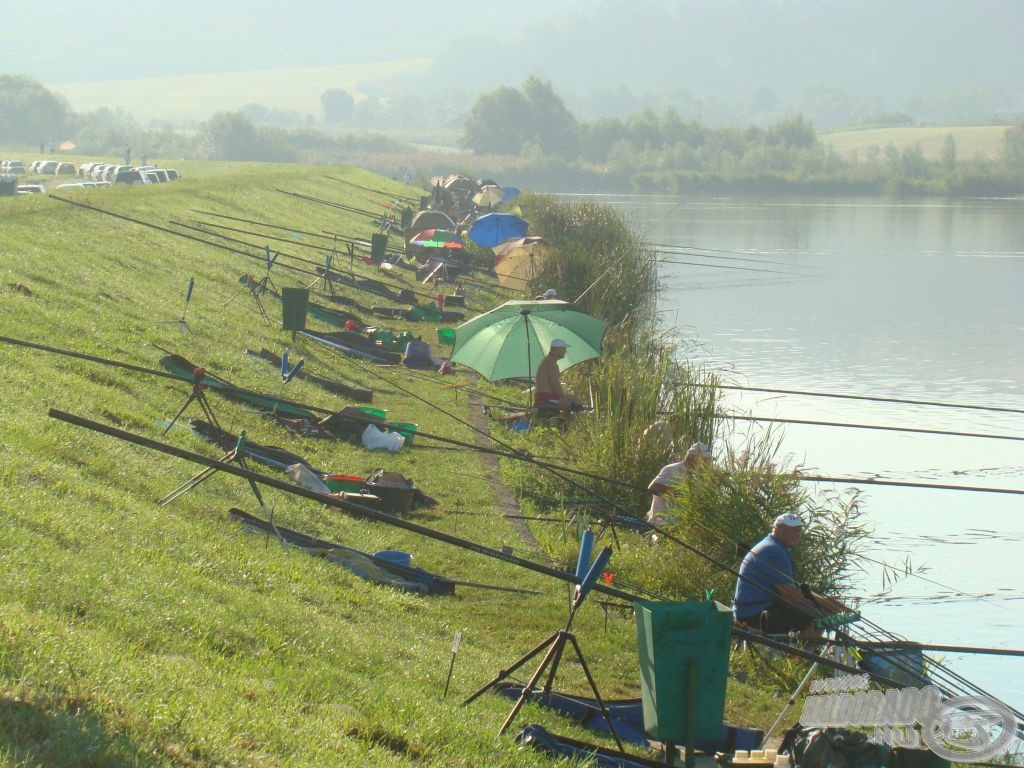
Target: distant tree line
[(666, 153), (33, 117)]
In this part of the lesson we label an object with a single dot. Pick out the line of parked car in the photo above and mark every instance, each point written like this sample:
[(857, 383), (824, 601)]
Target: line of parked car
[(99, 174)]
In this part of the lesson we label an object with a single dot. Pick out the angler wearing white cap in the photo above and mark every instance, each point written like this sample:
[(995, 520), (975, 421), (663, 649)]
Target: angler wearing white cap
[(670, 476), (767, 596), (549, 392)]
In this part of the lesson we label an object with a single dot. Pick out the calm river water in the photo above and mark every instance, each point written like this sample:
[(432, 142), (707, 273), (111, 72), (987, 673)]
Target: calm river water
[(917, 300)]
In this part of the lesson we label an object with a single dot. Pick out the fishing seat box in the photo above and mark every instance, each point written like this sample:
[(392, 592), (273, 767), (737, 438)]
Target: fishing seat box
[(394, 491)]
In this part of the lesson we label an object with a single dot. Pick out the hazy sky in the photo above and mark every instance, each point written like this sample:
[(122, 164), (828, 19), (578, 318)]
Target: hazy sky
[(893, 49)]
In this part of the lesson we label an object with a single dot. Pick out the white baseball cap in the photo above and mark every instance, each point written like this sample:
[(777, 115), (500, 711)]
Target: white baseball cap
[(559, 343), (793, 521), (698, 449)]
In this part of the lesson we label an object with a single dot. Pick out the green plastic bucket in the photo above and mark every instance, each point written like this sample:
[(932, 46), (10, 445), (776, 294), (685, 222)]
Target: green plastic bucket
[(405, 429), (380, 413), (446, 336), (677, 641), (344, 483)]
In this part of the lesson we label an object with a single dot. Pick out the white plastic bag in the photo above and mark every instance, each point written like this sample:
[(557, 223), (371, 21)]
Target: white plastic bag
[(376, 440)]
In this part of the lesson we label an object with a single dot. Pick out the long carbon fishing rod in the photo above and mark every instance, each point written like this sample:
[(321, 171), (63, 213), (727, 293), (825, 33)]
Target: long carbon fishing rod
[(612, 504), (322, 248), (910, 645), (177, 233), (907, 484), (392, 195), (334, 236), (667, 257), (329, 236), (185, 379), (915, 430), (678, 247), (752, 636), (510, 452), (729, 266), (513, 454), (301, 259), (359, 510), (844, 396), (341, 206), (939, 671)]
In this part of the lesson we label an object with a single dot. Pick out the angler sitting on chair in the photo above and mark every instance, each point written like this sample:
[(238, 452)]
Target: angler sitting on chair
[(767, 596), (549, 392)]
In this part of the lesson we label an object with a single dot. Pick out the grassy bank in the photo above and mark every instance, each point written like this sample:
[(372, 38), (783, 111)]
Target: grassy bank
[(140, 635)]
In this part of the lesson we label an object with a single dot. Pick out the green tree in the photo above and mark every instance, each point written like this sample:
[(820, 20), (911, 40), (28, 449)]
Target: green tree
[(1013, 148), (338, 105), (795, 132), (554, 126), (505, 119), (498, 123), (31, 113), (232, 136)]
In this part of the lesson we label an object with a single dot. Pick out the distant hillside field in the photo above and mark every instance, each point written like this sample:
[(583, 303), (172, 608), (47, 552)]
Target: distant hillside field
[(971, 141), (197, 97)]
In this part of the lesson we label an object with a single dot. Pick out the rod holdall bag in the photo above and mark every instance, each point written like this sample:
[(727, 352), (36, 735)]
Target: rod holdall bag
[(350, 422)]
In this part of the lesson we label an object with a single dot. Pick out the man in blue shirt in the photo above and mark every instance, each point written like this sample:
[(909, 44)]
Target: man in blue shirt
[(767, 596)]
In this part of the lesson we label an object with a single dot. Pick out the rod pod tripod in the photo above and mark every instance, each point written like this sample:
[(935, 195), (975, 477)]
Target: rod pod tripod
[(556, 643)]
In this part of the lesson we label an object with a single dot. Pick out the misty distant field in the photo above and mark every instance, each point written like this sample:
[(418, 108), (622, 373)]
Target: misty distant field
[(194, 98), (971, 141)]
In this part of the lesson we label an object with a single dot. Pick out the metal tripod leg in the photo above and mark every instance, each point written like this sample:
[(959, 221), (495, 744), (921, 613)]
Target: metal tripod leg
[(597, 695), (555, 649), (195, 480), (792, 700), (204, 406), (506, 672)]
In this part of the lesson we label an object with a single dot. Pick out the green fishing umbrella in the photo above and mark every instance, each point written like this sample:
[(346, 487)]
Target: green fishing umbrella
[(510, 341)]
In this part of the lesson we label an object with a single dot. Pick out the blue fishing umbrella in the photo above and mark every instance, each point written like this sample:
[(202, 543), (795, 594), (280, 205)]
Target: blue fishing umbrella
[(493, 228)]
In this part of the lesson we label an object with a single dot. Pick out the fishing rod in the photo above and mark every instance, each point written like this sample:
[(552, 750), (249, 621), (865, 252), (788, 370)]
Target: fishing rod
[(510, 452), (942, 672), (513, 454), (871, 398), (184, 235), (372, 214), (612, 504), (727, 266), (393, 286), (393, 195), (192, 238), (914, 430), (185, 379), (676, 246), (329, 236), (906, 484), (358, 510), (723, 258), (323, 235), (946, 648)]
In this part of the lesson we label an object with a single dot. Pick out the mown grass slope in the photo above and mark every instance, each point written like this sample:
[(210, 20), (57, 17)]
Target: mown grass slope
[(139, 635)]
